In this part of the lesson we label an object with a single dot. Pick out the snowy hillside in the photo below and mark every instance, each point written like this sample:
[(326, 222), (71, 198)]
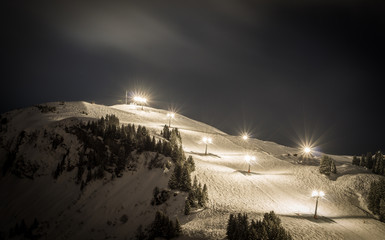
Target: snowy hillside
[(276, 181)]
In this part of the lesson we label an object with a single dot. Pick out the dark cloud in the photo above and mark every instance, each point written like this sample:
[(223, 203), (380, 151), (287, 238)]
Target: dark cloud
[(283, 69)]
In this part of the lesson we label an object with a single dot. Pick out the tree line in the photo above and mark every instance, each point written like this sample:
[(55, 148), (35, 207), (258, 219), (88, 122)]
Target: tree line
[(269, 228), (376, 163), (376, 198), (110, 147)]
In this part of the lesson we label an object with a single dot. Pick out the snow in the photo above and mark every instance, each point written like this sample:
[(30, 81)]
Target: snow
[(276, 183)]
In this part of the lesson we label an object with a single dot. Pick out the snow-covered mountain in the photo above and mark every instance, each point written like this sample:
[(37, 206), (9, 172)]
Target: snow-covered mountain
[(38, 139)]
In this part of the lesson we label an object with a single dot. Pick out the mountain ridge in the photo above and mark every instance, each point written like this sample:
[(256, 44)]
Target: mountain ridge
[(276, 182)]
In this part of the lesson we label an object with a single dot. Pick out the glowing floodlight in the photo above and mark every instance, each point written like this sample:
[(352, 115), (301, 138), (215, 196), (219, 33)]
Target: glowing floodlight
[(245, 137), (317, 195), (248, 159), (170, 116), (139, 99), (307, 150), (207, 140)]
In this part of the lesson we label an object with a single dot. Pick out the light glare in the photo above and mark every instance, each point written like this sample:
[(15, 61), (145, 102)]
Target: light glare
[(171, 115), (316, 193), (307, 150), (140, 99), (207, 140)]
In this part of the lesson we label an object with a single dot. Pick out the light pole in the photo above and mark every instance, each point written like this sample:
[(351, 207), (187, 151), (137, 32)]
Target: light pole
[(206, 140), (317, 194), (170, 116), (249, 158)]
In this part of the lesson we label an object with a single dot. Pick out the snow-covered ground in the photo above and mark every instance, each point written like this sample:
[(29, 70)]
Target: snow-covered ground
[(276, 183)]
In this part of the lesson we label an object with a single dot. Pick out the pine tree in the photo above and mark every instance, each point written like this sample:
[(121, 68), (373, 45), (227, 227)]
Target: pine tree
[(379, 163), (205, 196), (333, 167), (369, 160), (185, 180), (325, 166), (362, 161), (231, 227), (355, 160), (192, 198), (190, 163), (382, 210), (178, 228), (175, 178), (187, 207), (195, 184), (166, 132)]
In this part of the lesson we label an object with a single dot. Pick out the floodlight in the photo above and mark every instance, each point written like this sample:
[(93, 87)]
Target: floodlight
[(307, 149)]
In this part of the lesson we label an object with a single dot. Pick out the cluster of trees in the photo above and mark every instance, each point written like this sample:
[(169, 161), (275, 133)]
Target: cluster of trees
[(45, 108), (376, 198), (327, 165), (22, 230), (239, 228), (107, 146), (198, 197), (376, 163), (159, 196), (161, 227), (181, 176)]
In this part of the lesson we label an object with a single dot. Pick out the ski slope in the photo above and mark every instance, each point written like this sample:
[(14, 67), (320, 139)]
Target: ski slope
[(276, 183)]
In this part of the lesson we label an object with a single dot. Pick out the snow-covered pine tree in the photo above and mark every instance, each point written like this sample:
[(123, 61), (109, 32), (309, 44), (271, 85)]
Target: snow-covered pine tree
[(325, 166), (333, 167)]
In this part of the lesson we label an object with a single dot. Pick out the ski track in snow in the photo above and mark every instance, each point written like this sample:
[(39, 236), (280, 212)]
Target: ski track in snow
[(274, 184)]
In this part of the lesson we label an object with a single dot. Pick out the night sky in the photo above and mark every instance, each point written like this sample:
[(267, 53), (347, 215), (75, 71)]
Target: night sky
[(283, 70)]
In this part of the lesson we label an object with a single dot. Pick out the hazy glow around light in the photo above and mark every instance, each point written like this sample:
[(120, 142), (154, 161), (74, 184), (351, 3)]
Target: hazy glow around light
[(140, 99), (249, 158), (307, 149), (316, 193), (245, 137), (207, 140), (171, 115)]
